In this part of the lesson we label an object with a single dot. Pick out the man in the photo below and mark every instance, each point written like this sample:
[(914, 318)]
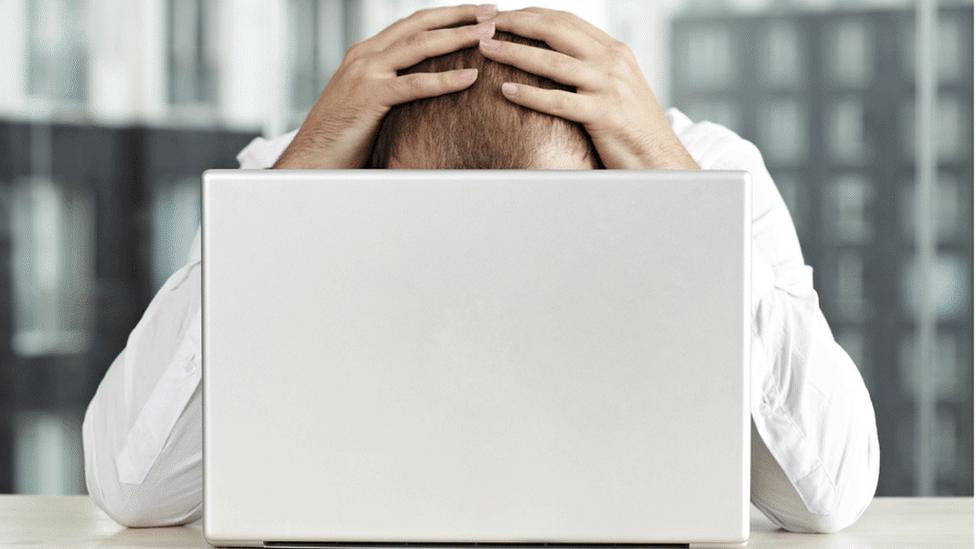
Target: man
[(419, 95)]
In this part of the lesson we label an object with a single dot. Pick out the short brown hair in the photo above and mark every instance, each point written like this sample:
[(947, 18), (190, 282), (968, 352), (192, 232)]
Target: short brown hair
[(478, 128)]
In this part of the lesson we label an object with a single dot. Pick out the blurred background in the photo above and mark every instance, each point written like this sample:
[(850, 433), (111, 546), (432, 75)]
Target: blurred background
[(110, 109)]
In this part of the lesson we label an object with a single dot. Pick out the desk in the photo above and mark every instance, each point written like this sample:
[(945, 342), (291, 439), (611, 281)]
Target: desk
[(74, 522)]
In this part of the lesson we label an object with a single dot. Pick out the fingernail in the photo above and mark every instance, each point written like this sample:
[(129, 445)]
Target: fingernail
[(490, 44), (509, 89), (467, 75), (485, 12), (484, 30)]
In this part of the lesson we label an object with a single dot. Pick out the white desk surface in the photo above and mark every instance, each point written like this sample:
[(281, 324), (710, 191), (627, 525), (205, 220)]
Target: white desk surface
[(74, 522)]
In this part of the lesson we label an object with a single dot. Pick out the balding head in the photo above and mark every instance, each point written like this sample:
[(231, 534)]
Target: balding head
[(478, 128)]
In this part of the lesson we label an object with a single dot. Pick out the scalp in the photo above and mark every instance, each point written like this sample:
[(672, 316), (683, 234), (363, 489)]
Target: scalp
[(477, 128)]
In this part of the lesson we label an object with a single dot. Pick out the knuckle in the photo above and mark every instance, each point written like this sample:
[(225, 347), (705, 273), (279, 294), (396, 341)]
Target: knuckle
[(355, 50), (619, 65), (620, 48), (358, 68), (420, 14)]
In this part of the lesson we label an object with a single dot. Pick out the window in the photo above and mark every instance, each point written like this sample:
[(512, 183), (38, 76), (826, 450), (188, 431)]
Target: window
[(192, 67), (949, 288), (57, 60), (782, 63), (782, 129), (708, 57), (850, 55), (315, 46), (53, 259), (850, 299), (847, 216), (176, 216), (847, 139), (952, 206)]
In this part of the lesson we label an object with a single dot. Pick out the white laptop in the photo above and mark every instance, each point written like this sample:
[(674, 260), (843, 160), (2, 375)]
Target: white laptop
[(459, 357)]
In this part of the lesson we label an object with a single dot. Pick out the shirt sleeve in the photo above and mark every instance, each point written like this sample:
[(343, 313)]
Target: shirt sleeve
[(142, 429), (815, 454), (142, 432)]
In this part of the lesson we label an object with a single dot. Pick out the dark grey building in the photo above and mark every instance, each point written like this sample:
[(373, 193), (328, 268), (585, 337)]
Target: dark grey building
[(829, 99)]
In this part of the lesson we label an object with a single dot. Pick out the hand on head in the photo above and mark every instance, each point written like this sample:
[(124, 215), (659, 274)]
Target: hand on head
[(612, 100), (602, 89), (338, 131)]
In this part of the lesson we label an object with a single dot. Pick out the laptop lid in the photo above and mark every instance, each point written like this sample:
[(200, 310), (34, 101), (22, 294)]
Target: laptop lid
[(475, 356)]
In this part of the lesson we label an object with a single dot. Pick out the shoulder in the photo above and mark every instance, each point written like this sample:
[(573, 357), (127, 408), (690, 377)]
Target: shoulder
[(262, 153), (714, 146)]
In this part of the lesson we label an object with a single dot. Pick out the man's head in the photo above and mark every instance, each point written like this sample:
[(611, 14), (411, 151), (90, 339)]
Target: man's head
[(478, 128)]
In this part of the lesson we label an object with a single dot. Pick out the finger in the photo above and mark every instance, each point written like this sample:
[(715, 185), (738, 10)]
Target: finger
[(556, 32), (417, 47), (433, 18), (564, 104), (421, 85), (550, 64), (583, 25)]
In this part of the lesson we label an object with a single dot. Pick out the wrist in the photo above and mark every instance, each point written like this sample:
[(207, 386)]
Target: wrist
[(665, 152)]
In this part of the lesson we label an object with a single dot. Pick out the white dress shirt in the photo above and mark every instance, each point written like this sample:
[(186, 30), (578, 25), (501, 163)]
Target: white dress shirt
[(814, 437)]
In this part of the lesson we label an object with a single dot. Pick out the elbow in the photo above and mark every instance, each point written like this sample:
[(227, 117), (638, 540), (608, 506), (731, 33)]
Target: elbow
[(854, 492), (134, 506), (131, 505), (127, 511), (799, 519), (137, 511), (813, 523)]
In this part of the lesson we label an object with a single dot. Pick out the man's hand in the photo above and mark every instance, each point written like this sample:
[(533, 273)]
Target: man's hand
[(613, 101), (339, 130)]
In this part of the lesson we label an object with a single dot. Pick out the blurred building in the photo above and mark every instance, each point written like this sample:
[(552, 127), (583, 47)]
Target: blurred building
[(109, 111), (829, 98)]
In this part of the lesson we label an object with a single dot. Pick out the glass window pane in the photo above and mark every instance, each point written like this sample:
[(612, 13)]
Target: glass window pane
[(849, 297), (48, 458), (781, 63), (951, 47), (945, 446), (850, 60), (176, 217), (57, 65), (951, 128), (906, 126), (946, 373), (949, 287), (303, 65), (782, 130), (952, 205), (847, 139), (847, 215), (192, 64), (708, 51), (53, 261)]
